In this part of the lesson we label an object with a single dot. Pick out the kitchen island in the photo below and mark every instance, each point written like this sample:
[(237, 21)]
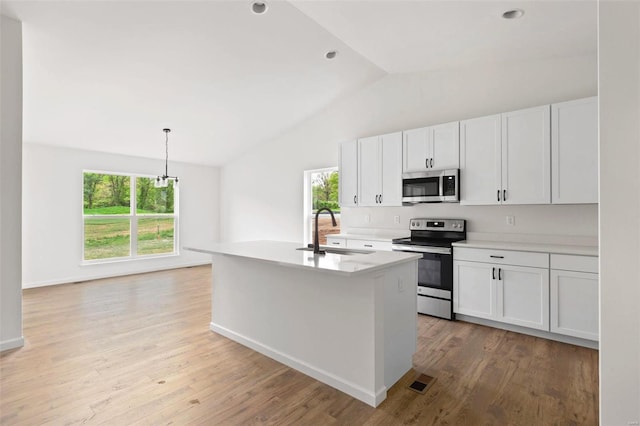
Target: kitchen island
[(347, 319)]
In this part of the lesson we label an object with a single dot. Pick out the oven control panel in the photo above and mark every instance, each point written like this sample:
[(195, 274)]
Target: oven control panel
[(421, 224)]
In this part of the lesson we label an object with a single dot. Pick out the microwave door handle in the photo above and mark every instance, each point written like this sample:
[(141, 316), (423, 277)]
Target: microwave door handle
[(441, 186)]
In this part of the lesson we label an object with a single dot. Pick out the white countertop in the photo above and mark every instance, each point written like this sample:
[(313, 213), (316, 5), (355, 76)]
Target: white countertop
[(535, 247), (285, 254), (371, 237)]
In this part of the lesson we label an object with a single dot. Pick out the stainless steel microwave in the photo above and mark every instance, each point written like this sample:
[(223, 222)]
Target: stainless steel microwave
[(433, 186)]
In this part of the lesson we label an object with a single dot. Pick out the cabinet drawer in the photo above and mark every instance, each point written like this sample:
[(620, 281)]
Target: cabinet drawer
[(502, 257), (369, 245), (568, 262), (336, 241)]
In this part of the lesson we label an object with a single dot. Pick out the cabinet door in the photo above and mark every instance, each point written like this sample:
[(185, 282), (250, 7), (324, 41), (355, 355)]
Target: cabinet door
[(523, 296), (348, 174), (480, 170), (474, 289), (445, 145), (574, 304), (369, 165), (526, 156), (391, 193), (415, 150), (574, 151)]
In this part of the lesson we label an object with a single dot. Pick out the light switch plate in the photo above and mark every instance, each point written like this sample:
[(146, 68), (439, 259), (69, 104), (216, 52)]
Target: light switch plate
[(396, 219), (511, 220)]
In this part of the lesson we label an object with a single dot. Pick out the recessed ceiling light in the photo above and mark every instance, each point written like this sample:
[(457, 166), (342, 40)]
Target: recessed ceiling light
[(331, 54), (259, 7), (513, 14)]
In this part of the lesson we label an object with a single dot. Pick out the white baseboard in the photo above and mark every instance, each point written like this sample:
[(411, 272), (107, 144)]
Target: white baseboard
[(370, 398), (143, 270), (11, 344), (530, 331)]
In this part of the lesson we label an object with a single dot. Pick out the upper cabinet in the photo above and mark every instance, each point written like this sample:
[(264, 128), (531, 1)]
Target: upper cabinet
[(348, 174), (380, 171), (434, 147), (505, 158), (574, 151), (526, 156)]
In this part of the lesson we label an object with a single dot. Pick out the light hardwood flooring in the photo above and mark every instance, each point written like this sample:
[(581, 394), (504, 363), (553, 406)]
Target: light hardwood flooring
[(138, 350)]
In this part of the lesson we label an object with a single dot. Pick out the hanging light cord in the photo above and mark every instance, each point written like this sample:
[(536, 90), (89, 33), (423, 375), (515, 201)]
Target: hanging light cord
[(166, 158)]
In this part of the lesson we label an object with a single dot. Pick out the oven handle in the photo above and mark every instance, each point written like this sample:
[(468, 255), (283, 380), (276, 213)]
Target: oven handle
[(421, 249)]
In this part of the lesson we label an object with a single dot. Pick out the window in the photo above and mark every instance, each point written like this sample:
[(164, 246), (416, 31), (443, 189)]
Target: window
[(126, 217), (321, 190)]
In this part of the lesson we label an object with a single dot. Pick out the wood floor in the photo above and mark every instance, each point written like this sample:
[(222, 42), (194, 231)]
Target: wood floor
[(137, 350)]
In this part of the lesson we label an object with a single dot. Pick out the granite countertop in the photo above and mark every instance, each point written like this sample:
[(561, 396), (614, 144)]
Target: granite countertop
[(534, 247), (285, 254)]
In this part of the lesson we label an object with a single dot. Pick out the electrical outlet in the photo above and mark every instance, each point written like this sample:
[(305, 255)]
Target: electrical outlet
[(396, 220), (511, 220), (367, 218)]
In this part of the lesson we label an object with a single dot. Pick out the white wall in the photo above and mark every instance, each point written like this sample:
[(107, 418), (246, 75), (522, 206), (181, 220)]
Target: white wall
[(619, 85), (52, 213), (262, 190), (10, 185)]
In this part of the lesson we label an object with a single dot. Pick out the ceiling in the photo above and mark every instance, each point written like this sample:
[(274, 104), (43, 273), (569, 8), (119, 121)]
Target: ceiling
[(110, 75)]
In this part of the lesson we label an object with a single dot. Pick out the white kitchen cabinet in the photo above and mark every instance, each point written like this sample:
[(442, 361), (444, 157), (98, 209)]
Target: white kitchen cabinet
[(523, 296), (574, 151), (574, 296), (505, 158), (480, 160), (431, 148), (336, 241), (498, 291), (474, 289), (380, 170), (369, 244), (348, 167), (526, 156)]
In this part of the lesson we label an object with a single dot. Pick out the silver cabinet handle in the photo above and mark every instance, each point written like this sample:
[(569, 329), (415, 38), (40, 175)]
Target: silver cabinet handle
[(499, 274), (335, 243), (426, 163), (355, 199), (496, 257), (368, 245), (504, 195), (380, 198), (432, 163), (493, 273), (498, 195)]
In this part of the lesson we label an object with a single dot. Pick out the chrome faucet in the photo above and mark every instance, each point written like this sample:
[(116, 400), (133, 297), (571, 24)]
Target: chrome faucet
[(316, 243)]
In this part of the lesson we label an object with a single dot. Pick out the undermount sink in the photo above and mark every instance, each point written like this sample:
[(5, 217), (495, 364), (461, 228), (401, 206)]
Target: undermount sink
[(334, 250)]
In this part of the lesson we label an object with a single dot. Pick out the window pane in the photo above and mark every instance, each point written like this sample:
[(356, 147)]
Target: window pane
[(106, 238), (155, 235), (152, 200), (324, 191), (106, 194), (325, 227)]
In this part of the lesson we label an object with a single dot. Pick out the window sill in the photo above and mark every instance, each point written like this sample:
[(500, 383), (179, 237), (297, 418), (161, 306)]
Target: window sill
[(127, 259)]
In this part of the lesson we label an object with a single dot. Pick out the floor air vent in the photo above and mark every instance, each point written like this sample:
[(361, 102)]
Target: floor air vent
[(422, 383)]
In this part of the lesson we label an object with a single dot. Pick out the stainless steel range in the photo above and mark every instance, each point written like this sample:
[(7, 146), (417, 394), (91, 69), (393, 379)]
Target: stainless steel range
[(433, 238)]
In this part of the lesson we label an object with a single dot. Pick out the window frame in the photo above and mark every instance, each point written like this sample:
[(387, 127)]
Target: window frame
[(133, 221), (308, 215)]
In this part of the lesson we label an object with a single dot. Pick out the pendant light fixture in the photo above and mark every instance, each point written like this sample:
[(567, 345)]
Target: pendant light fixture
[(163, 181)]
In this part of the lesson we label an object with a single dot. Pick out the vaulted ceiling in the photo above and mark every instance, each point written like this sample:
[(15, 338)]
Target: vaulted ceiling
[(109, 75)]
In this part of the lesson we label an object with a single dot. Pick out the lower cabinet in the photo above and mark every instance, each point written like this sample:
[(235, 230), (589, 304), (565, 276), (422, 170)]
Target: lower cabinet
[(574, 296), (511, 294), (353, 243), (549, 292)]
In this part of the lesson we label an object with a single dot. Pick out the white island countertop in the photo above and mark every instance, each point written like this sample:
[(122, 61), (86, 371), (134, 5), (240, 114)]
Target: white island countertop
[(285, 254)]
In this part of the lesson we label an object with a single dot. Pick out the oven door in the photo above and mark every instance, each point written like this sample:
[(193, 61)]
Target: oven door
[(435, 270)]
